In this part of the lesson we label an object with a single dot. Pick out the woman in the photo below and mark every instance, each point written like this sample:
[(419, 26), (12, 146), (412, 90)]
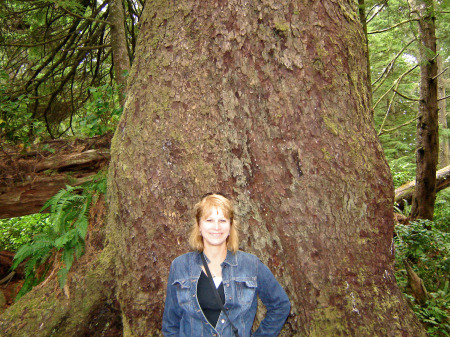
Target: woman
[(192, 309)]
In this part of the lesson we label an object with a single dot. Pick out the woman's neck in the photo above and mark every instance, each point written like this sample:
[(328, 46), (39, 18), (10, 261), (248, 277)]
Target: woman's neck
[(215, 255)]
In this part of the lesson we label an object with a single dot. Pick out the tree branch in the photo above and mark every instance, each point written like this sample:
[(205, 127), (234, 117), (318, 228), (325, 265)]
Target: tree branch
[(406, 97), (390, 65), (93, 19), (395, 85), (443, 71), (392, 27), (397, 127), (34, 44)]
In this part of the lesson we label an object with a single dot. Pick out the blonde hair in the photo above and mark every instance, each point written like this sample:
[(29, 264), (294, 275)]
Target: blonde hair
[(201, 209)]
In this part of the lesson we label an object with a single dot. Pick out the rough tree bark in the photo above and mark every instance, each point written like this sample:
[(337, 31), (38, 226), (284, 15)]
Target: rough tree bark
[(427, 136), (268, 102)]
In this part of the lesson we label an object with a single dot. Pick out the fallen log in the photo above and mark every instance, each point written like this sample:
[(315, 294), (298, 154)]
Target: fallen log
[(29, 179), (405, 192)]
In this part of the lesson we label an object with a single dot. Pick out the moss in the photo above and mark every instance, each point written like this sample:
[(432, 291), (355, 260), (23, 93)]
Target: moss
[(281, 26), (326, 154), (331, 125), (328, 322)]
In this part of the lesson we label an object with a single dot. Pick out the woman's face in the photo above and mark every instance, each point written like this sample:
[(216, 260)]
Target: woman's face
[(215, 228)]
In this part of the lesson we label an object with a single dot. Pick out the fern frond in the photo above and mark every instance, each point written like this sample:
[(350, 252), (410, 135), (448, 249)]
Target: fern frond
[(62, 240), (68, 258), (43, 243), (81, 226), (26, 287), (53, 201), (79, 249), (21, 254)]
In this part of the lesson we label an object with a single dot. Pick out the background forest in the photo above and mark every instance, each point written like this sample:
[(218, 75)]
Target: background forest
[(63, 73)]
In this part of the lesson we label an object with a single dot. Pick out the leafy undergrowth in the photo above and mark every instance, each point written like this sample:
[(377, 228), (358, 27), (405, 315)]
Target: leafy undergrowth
[(61, 239), (426, 246)]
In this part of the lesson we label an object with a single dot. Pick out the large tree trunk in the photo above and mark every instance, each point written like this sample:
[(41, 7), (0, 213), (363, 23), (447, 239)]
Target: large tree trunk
[(269, 103), (427, 137)]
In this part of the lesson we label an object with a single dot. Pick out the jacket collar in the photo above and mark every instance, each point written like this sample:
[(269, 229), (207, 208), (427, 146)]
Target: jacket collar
[(231, 258)]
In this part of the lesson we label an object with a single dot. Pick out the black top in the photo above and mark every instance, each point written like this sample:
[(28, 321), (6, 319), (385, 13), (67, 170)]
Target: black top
[(207, 299)]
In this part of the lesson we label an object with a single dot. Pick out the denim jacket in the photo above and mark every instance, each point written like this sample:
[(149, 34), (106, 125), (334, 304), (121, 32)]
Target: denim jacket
[(244, 277)]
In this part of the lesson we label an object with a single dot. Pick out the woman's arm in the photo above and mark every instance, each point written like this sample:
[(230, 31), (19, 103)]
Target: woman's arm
[(172, 312), (276, 301)]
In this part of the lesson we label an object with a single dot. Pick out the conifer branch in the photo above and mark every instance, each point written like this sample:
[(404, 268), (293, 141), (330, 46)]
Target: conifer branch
[(389, 67), (389, 108), (406, 97), (398, 127), (443, 71), (392, 27), (380, 8), (91, 18), (396, 83), (25, 45)]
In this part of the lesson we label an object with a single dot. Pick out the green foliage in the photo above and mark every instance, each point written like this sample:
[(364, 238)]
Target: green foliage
[(64, 237), (19, 231), (55, 57), (102, 112), (428, 250), (435, 313), (395, 73), (442, 210), (16, 121), (402, 170)]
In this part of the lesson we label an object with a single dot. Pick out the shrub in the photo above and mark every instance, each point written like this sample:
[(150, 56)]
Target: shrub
[(427, 249)]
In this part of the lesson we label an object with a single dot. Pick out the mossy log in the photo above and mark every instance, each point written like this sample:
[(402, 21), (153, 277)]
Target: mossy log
[(405, 192), (29, 177)]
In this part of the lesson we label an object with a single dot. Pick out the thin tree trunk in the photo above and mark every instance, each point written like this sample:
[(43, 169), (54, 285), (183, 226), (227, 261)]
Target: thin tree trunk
[(119, 47), (362, 18), (444, 148), (427, 139)]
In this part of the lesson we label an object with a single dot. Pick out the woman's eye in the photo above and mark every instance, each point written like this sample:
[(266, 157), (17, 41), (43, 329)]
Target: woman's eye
[(223, 220)]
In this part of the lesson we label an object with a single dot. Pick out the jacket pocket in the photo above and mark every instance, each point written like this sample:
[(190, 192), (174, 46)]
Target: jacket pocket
[(246, 291), (183, 290)]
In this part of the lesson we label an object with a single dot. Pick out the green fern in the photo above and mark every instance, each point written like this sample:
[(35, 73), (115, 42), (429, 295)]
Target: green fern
[(69, 222)]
